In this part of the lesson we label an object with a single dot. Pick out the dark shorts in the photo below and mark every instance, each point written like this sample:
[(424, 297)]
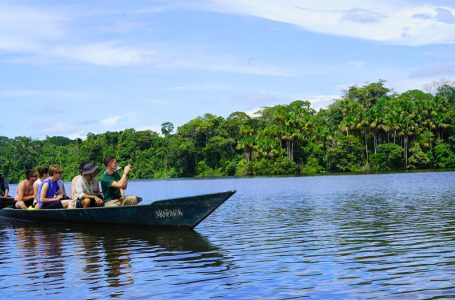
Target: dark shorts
[(27, 203), (52, 205), (79, 203)]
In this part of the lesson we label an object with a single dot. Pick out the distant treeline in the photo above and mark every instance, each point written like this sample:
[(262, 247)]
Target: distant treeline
[(369, 129)]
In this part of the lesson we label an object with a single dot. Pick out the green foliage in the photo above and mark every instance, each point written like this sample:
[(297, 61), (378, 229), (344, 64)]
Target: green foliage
[(203, 170), (279, 166), (244, 168), (312, 166), (419, 159), (447, 92), (369, 94), (263, 167), (367, 129), (444, 157), (59, 140), (388, 157), (167, 128), (346, 153), (284, 166)]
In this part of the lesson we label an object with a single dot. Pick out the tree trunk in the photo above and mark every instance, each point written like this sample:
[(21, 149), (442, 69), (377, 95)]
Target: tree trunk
[(290, 149), (248, 152), (375, 140), (405, 141)]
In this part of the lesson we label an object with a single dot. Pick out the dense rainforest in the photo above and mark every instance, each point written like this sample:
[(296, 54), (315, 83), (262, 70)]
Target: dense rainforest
[(370, 128)]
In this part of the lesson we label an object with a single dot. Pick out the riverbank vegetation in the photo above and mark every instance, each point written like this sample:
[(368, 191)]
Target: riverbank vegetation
[(369, 129)]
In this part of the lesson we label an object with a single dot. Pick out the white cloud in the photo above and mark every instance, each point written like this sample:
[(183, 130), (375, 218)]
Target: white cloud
[(399, 22), (59, 128), (46, 31), (406, 84), (321, 101), (54, 34), (77, 135), (105, 54), (253, 112), (25, 29), (154, 128), (111, 121), (423, 16), (207, 86), (80, 128), (23, 93), (357, 63), (362, 16)]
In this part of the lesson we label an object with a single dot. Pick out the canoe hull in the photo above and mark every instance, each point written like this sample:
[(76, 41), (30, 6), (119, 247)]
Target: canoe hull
[(180, 212), (6, 202)]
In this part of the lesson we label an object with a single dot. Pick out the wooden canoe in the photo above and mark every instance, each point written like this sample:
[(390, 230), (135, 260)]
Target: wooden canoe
[(178, 212)]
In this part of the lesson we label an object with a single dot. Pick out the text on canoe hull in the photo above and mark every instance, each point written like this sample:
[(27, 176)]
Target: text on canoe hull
[(168, 213)]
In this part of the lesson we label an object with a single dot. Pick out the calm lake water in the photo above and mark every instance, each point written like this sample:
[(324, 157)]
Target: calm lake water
[(388, 236)]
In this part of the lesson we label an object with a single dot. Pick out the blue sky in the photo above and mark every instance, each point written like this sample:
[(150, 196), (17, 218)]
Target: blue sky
[(72, 67)]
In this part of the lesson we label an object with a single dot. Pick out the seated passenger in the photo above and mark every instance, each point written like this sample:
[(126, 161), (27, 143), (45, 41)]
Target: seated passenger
[(4, 187), (24, 192), (75, 178), (42, 174), (114, 185), (50, 195), (87, 191)]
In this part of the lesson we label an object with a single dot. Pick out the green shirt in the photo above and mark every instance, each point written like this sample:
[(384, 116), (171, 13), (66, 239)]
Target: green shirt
[(110, 192)]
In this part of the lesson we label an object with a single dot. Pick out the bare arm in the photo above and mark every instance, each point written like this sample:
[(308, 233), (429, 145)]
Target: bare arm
[(35, 191), (122, 183), (44, 192)]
